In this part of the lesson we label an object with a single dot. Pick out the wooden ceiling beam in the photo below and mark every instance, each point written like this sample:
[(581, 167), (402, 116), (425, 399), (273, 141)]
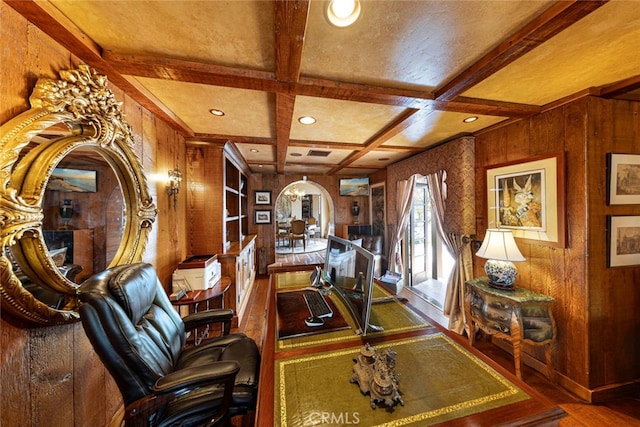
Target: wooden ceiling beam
[(195, 72), (552, 21), (290, 28), (284, 114), (621, 87)]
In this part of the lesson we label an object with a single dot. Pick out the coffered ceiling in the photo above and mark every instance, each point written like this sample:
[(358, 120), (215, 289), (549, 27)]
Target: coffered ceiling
[(398, 81)]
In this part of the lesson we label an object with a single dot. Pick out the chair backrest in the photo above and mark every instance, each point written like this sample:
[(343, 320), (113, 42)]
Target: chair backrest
[(311, 221), (298, 227), (132, 326)]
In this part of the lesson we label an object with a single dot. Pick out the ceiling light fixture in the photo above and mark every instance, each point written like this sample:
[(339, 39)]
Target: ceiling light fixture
[(343, 13), (307, 120), (470, 119), (254, 150), (216, 112)]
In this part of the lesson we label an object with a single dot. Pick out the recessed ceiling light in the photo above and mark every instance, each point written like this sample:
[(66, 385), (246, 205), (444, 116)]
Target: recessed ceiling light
[(343, 13), (470, 119), (254, 150), (260, 166), (307, 120), (296, 154), (216, 112)]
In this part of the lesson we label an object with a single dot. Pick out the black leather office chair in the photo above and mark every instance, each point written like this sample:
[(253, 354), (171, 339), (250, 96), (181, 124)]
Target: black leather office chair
[(140, 338)]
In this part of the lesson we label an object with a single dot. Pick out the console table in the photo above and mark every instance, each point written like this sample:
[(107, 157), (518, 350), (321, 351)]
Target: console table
[(517, 316)]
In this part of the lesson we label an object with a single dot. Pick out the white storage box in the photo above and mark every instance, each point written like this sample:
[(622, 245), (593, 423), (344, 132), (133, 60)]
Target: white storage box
[(198, 272)]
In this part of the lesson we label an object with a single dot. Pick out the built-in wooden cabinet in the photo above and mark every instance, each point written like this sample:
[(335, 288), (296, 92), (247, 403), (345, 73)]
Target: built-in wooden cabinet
[(218, 216)]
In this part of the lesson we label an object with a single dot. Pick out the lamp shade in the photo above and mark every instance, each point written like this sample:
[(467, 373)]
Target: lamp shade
[(499, 244)]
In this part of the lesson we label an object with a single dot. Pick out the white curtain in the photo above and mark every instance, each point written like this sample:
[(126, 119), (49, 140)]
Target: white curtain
[(404, 199), (459, 248)]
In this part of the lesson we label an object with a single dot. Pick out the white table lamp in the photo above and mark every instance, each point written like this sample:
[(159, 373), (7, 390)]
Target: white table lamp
[(500, 249)]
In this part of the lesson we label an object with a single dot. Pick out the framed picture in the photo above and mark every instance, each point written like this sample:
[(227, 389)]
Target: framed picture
[(262, 216), (73, 180), (528, 198), (377, 198), (354, 186), (623, 240), (623, 172), (262, 197)]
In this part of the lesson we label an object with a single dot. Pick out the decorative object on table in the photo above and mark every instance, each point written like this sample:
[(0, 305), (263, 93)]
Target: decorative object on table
[(528, 197), (375, 372), (66, 212), (355, 211), (623, 173), (262, 216), (623, 241), (500, 249), (262, 197)]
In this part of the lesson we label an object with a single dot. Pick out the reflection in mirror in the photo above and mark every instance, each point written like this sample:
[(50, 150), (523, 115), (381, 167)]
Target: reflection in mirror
[(83, 214), (73, 197)]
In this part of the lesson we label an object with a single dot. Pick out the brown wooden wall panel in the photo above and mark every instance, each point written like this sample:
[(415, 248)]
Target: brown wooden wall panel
[(51, 376), (595, 305)]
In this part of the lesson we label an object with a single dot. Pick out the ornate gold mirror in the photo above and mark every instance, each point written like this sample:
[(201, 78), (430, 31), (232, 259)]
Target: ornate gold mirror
[(74, 199)]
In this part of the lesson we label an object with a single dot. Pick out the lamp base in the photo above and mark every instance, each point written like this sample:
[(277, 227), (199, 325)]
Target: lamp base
[(501, 274)]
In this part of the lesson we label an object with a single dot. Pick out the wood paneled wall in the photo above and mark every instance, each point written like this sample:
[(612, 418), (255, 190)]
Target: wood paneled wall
[(595, 306), (51, 376)]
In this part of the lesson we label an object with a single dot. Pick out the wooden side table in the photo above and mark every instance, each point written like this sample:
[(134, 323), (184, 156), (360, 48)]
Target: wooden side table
[(518, 316), (200, 300)]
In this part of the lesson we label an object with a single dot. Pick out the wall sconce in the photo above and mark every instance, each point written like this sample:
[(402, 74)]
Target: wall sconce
[(499, 248), (173, 188)]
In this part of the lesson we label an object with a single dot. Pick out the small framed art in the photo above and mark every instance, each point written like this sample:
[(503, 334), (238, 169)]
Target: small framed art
[(262, 197), (623, 240), (527, 196), (262, 216), (623, 171)]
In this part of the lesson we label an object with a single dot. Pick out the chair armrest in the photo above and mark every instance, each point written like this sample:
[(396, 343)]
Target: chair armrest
[(180, 383), (202, 318), (197, 376)]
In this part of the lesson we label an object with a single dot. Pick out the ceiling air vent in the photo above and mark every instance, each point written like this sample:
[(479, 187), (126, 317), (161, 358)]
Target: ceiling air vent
[(318, 153)]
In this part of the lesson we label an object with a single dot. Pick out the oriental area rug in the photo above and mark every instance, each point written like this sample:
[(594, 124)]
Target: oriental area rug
[(439, 381)]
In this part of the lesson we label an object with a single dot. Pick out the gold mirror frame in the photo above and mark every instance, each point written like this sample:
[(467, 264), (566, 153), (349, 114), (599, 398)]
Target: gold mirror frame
[(82, 102)]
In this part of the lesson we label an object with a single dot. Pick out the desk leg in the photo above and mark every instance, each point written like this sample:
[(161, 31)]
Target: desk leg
[(516, 340)]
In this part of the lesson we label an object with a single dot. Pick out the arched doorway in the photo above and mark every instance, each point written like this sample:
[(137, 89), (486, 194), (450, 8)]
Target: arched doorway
[(304, 200)]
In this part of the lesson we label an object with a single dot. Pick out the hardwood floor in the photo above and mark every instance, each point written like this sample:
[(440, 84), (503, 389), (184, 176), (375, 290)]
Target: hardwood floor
[(621, 412)]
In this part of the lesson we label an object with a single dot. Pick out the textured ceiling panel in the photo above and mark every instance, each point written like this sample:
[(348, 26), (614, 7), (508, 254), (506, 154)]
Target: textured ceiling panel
[(591, 53), (415, 43), (192, 30), (355, 123), (247, 112)]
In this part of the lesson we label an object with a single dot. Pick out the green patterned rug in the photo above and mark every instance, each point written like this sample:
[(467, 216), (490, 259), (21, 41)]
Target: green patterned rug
[(393, 316), (439, 381)]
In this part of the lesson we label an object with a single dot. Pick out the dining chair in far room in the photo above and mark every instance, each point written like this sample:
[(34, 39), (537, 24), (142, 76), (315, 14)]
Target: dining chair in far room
[(298, 232), (312, 228)]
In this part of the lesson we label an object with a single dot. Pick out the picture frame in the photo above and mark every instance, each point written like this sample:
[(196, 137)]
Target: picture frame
[(623, 176), (623, 240), (354, 186), (262, 197), (262, 216), (377, 208), (73, 180), (528, 197)]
